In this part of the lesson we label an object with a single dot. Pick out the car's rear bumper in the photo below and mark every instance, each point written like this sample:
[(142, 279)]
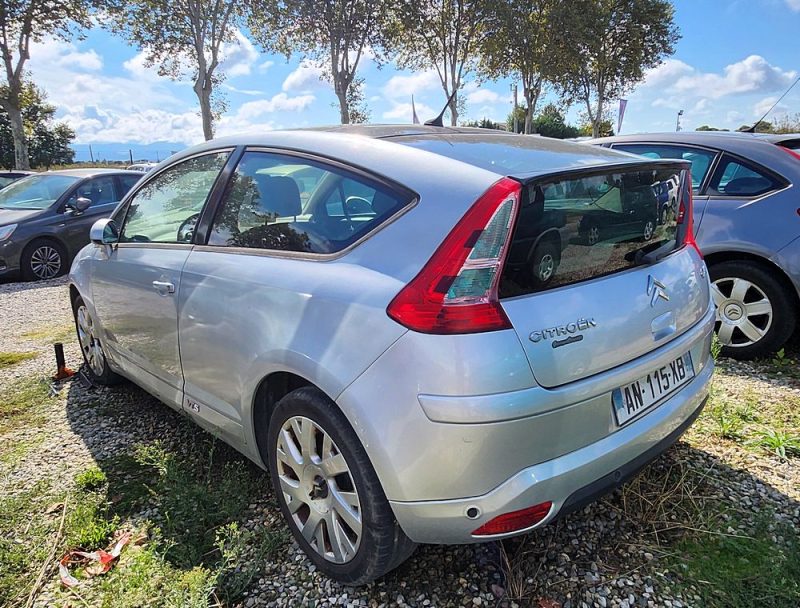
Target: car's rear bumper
[(568, 481)]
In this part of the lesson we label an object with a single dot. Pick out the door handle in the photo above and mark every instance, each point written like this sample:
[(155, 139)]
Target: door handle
[(164, 287)]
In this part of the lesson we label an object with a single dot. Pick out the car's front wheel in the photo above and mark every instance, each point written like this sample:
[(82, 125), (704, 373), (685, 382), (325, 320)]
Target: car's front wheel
[(91, 348), (329, 492), (43, 259), (755, 313)]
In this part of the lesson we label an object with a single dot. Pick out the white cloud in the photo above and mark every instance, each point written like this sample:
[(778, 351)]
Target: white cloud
[(667, 73), (307, 76), (484, 96), (403, 87), (279, 102), (60, 54), (734, 116), (793, 5), (751, 75), (238, 57), (761, 107), (263, 67), (402, 112)]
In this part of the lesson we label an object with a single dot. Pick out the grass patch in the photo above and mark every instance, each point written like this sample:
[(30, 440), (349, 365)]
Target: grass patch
[(23, 402), (186, 505), (744, 571), (60, 333), (8, 359)]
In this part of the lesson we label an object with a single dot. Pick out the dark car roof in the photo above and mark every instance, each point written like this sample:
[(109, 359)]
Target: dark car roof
[(92, 172)]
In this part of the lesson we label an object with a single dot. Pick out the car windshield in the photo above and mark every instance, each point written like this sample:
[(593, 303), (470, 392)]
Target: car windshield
[(35, 191)]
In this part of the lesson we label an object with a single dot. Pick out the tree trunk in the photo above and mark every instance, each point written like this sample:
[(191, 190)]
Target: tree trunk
[(528, 118), (21, 160), (454, 111), (202, 88), (344, 108), (598, 117)]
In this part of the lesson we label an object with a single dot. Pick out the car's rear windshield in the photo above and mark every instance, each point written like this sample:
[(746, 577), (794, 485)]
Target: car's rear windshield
[(582, 226)]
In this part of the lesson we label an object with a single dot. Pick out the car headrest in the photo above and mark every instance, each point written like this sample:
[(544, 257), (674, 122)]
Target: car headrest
[(382, 204), (279, 196), (747, 186)]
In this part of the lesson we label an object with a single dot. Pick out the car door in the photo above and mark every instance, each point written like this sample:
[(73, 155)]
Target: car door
[(103, 192), (702, 159), (136, 286)]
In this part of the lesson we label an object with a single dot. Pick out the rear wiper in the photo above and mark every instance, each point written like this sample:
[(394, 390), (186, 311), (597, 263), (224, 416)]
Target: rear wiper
[(642, 257)]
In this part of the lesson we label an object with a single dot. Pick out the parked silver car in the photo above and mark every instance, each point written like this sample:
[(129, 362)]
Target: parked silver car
[(747, 224), (363, 311)]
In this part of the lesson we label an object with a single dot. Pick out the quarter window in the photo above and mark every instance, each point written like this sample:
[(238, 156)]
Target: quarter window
[(286, 203), (701, 159), (734, 178), (166, 209)]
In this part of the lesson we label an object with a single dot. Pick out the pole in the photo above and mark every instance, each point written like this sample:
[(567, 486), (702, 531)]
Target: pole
[(678, 121), (516, 120), (91, 154), (130, 155)]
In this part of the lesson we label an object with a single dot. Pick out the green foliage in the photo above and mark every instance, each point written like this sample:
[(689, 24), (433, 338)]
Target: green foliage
[(444, 35), (604, 129), (716, 346), (484, 123), (90, 479), (550, 123), (608, 45), (517, 113), (708, 128), (745, 571), (763, 126), (779, 442), (48, 141), (23, 401)]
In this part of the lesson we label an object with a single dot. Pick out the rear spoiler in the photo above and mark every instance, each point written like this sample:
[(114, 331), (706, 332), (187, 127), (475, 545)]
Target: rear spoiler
[(601, 169)]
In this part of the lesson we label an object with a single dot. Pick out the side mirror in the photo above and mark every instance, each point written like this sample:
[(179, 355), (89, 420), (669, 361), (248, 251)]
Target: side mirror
[(104, 232), (82, 203)]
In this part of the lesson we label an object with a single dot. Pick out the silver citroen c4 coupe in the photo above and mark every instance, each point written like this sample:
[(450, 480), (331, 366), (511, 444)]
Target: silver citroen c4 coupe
[(425, 334)]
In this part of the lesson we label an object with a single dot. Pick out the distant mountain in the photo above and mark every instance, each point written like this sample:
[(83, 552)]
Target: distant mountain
[(115, 152)]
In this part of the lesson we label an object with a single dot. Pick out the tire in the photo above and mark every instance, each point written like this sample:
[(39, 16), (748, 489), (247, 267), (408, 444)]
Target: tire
[(362, 555), (774, 327), (648, 230), (43, 259), (544, 262), (94, 358), (591, 233)]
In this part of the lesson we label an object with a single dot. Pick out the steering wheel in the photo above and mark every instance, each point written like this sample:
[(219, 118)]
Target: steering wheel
[(186, 229)]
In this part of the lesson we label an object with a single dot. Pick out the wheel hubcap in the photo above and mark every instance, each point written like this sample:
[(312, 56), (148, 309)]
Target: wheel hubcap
[(45, 262), (90, 345), (594, 235), (546, 266), (318, 488), (744, 312), (648, 231)]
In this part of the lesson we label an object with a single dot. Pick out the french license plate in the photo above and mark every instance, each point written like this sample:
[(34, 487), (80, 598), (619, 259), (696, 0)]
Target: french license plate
[(637, 397)]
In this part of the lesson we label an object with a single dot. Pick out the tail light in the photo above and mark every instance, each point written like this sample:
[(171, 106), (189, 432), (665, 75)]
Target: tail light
[(790, 151), (686, 214), (456, 291), (514, 521)]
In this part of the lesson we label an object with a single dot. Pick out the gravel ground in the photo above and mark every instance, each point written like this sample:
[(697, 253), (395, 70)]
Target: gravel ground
[(605, 555)]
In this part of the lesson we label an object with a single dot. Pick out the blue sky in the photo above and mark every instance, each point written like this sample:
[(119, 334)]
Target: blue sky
[(734, 59)]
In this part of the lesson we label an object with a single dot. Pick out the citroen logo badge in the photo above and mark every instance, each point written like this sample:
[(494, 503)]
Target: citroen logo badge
[(656, 289)]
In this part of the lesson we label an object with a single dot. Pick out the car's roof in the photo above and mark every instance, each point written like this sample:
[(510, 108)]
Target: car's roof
[(92, 172), (378, 146)]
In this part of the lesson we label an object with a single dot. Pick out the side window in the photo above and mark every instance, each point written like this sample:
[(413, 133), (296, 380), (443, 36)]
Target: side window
[(734, 178), (701, 159), (285, 203), (128, 182), (99, 190), (166, 209)]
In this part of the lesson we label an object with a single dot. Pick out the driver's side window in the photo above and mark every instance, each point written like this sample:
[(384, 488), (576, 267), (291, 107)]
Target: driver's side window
[(166, 209)]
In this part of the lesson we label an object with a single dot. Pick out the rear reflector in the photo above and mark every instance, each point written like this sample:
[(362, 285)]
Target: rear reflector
[(514, 521), (456, 291)]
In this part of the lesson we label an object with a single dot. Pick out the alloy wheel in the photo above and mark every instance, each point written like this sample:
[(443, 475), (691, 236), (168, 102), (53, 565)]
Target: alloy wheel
[(546, 267), (45, 262), (649, 229), (90, 345), (744, 312), (593, 235), (318, 488)]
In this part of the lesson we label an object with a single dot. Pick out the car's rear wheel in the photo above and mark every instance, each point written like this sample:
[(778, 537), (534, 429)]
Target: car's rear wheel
[(755, 314), (93, 354), (648, 230), (544, 262), (329, 493), (43, 259)]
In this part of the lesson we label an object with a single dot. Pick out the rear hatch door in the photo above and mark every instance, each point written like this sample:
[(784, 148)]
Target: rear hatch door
[(597, 273)]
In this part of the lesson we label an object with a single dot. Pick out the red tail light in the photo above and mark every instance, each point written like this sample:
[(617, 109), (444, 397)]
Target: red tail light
[(456, 291), (514, 521), (790, 151), (686, 214)]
